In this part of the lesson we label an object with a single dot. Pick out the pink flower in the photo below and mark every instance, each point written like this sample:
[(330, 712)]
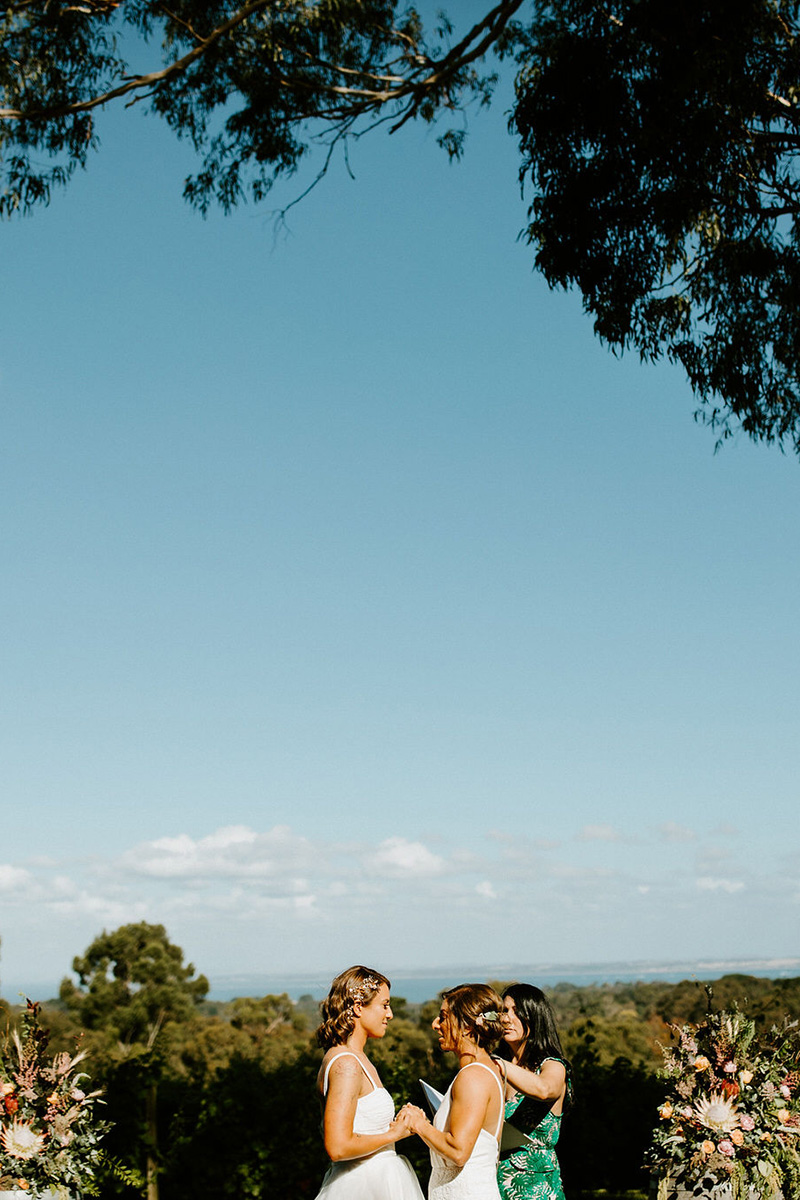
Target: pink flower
[(726, 1147), (786, 1091), (746, 1121), (730, 1067)]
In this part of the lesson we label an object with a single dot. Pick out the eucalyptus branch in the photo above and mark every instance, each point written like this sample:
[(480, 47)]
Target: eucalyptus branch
[(135, 82), (473, 46)]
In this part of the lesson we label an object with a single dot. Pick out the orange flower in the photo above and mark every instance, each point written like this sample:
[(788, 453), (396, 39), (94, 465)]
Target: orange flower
[(701, 1063), (665, 1111), (708, 1147), (784, 1116), (766, 1136), (23, 1184), (745, 1077), (737, 1137)]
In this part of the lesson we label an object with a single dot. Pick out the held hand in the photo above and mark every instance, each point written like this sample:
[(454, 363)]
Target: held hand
[(414, 1117), (400, 1127)]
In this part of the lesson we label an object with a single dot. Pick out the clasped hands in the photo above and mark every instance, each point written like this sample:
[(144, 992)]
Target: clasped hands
[(411, 1118)]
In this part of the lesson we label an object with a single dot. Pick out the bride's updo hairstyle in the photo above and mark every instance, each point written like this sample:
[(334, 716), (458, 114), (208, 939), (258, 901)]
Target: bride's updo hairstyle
[(356, 985), (477, 1010)]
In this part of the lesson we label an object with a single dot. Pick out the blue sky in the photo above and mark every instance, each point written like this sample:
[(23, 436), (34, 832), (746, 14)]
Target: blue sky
[(358, 605)]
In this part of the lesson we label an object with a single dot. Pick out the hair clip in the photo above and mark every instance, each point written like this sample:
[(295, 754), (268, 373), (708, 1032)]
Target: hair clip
[(359, 993), (489, 1015)]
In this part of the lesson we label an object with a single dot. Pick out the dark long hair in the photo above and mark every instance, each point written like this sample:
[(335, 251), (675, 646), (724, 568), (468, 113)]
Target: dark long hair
[(539, 1022)]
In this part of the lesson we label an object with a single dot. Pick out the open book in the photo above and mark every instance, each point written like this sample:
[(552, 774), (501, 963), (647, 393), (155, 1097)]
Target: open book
[(510, 1139)]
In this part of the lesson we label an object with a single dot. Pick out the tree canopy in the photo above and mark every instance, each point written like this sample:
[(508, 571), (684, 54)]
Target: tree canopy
[(659, 143), (133, 981), (661, 139), (251, 84)]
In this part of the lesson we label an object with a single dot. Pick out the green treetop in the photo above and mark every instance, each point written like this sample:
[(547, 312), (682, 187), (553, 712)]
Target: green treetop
[(132, 982)]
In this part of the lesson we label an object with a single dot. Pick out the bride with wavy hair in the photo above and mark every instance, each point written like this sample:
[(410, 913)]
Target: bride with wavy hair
[(358, 1123), (464, 1136)]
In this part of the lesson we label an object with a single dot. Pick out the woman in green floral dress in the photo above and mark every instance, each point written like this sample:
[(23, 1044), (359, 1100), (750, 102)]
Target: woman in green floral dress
[(538, 1087)]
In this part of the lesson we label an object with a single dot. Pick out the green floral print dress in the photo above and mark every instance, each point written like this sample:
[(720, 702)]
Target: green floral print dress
[(531, 1172)]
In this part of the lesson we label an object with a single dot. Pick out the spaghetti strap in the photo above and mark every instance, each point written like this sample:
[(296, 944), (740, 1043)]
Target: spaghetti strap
[(502, 1094), (346, 1054)]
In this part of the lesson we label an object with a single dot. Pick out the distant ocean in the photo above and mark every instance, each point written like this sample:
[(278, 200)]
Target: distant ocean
[(417, 986), (425, 984)]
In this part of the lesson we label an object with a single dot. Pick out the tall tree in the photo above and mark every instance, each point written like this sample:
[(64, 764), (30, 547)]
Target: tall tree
[(133, 982)]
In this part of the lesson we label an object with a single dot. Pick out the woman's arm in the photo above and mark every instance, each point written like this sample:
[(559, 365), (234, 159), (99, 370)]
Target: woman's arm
[(344, 1087), (548, 1083), (469, 1100)]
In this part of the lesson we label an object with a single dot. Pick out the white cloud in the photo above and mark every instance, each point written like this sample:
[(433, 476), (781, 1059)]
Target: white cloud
[(231, 852), (486, 890), (76, 903), (13, 879), (708, 883), (397, 856)]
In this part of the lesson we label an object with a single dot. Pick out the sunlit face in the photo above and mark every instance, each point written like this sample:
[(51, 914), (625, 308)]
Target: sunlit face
[(515, 1032), (376, 1015), (442, 1024)]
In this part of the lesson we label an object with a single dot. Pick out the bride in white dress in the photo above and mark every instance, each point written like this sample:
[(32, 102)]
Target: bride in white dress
[(464, 1137), (359, 1125)]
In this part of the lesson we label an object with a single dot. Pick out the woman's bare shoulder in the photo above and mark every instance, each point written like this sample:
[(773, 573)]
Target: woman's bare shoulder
[(340, 1063), (468, 1081)]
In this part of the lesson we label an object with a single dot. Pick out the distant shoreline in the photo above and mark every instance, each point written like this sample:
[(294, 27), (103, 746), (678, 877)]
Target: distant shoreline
[(424, 983)]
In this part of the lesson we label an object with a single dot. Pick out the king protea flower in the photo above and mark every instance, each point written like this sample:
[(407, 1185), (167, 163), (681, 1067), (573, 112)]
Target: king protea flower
[(716, 1112), (20, 1141)]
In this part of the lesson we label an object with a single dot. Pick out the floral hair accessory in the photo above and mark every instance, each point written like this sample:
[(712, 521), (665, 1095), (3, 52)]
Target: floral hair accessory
[(489, 1014), (359, 993)]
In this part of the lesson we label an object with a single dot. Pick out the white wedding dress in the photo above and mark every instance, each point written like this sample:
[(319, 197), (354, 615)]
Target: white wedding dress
[(383, 1175), (477, 1179)]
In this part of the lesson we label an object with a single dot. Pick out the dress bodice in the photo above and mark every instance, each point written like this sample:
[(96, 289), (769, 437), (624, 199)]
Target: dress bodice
[(477, 1179), (375, 1111)]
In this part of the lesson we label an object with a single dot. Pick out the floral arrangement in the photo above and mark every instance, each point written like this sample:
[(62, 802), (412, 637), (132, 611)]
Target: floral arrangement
[(49, 1132), (732, 1112)]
